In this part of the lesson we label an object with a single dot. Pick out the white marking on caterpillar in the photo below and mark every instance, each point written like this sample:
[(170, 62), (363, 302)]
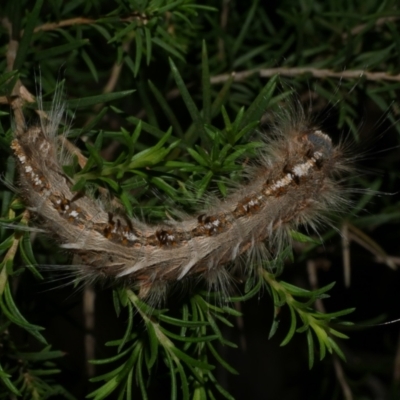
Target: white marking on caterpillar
[(281, 183), (302, 169), (293, 184), (130, 236)]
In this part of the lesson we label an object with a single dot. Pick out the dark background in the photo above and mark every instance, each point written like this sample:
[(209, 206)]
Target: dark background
[(306, 34)]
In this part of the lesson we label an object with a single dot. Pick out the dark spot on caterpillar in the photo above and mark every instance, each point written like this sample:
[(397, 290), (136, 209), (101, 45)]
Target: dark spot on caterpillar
[(280, 191), (286, 169), (27, 151), (107, 231), (165, 237), (210, 224), (248, 205), (319, 163), (209, 219), (309, 153), (64, 205)]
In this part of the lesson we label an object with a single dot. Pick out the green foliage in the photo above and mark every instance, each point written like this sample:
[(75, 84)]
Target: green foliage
[(184, 349), (284, 293), (172, 118)]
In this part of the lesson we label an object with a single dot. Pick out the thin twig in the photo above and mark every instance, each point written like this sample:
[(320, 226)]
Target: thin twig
[(396, 367), (240, 326), (108, 88), (313, 279), (369, 244), (346, 254), (51, 26), (237, 76), (12, 49), (73, 150), (378, 23), (348, 395), (19, 93), (12, 44), (315, 72), (224, 22), (89, 299), (115, 72)]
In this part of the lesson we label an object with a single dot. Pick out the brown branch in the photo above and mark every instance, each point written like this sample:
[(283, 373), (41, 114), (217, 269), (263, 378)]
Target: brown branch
[(51, 26), (89, 300), (379, 22), (237, 76), (12, 48), (396, 367), (358, 236), (348, 395), (115, 72), (108, 88), (327, 73), (346, 254), (315, 72), (19, 94), (313, 279), (19, 119), (224, 23), (73, 150)]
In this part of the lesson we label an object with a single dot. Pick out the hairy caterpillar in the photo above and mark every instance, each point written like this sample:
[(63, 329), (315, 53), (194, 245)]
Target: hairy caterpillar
[(293, 182)]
